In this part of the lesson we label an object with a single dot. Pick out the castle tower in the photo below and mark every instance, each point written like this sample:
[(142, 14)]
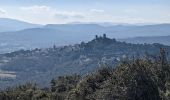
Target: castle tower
[(96, 37), (104, 36)]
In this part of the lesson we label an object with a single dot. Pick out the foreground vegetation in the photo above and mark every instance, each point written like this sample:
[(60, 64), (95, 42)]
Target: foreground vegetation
[(140, 79)]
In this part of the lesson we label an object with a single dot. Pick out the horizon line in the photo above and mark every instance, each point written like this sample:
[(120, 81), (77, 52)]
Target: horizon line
[(96, 22)]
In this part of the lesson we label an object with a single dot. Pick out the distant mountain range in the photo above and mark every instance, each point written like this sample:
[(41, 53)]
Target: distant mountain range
[(150, 39), (7, 24), (115, 31), (24, 35)]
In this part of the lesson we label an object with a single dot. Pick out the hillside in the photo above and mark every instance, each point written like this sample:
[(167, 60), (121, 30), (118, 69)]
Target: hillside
[(41, 65), (69, 34), (140, 79)]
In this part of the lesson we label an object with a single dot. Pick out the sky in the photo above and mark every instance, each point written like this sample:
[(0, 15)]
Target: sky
[(68, 11)]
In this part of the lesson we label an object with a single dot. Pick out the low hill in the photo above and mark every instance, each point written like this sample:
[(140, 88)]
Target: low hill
[(41, 65)]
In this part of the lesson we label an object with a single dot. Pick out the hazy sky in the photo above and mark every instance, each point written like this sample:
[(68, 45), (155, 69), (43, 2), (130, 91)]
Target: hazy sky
[(65, 11)]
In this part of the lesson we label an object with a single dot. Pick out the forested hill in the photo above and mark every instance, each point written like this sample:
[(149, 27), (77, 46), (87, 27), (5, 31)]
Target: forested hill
[(41, 65), (140, 79)]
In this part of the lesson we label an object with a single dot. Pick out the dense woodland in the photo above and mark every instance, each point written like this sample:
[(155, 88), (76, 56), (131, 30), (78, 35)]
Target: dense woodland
[(136, 79)]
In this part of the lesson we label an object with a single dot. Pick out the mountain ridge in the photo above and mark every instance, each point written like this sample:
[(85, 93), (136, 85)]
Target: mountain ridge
[(8, 24), (148, 39)]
